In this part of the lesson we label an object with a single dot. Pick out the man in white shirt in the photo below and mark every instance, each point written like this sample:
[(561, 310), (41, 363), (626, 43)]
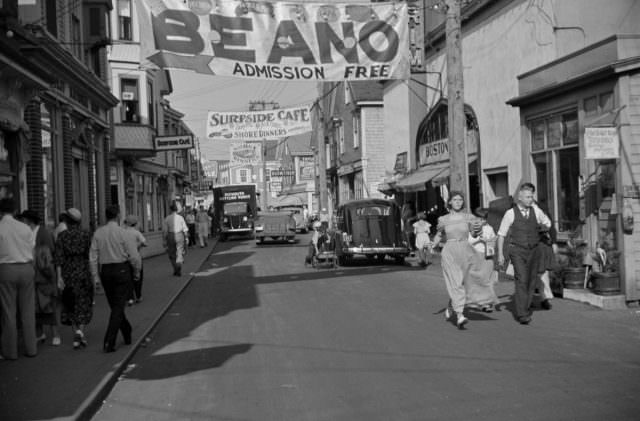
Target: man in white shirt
[(522, 222), (175, 236), (17, 286)]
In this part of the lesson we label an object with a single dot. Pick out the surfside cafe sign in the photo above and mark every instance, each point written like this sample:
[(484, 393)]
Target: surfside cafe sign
[(258, 125), (169, 143), (279, 41)]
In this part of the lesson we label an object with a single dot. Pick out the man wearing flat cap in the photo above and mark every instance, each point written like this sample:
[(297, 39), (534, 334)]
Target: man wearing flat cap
[(138, 241), (115, 261)]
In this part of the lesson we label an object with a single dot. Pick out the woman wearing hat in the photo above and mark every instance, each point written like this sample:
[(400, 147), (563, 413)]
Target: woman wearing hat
[(74, 276)]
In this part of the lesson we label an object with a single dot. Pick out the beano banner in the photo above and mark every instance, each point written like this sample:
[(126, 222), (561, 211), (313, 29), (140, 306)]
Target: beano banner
[(280, 40), (258, 125)]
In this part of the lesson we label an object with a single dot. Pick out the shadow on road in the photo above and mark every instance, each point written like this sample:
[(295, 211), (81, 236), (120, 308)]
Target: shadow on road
[(214, 293)]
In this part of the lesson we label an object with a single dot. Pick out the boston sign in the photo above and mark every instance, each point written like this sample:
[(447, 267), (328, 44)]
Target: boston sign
[(168, 143), (279, 41)]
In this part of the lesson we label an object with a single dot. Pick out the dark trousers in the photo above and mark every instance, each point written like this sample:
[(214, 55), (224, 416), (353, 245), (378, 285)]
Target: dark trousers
[(524, 262), (117, 282), (136, 291), (192, 234)]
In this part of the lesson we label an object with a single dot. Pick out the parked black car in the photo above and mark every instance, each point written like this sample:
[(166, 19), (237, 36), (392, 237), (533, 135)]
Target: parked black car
[(369, 227)]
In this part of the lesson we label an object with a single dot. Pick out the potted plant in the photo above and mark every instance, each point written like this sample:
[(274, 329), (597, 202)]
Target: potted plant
[(572, 260), (605, 278)]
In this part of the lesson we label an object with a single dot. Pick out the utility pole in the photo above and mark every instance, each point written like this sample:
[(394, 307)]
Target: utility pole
[(322, 160), (261, 106), (459, 169)]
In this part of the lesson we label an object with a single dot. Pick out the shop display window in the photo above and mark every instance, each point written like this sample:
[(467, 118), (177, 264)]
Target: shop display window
[(555, 157)]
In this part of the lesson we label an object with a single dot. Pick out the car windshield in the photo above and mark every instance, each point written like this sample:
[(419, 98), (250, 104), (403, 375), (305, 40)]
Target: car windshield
[(235, 207), (373, 210)]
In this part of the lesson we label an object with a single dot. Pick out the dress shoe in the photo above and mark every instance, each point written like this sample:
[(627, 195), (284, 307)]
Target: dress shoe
[(78, 340), (546, 304), (461, 321), (108, 349), (525, 320)]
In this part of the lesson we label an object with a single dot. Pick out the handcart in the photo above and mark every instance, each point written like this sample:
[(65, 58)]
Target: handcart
[(328, 258)]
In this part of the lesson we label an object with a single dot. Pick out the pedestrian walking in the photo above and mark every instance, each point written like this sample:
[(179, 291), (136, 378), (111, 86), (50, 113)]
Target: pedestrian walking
[(174, 238), (74, 277), (115, 262), (421, 229), (46, 282), (212, 216), (522, 223), (406, 221), (457, 255), (138, 242), (17, 287), (482, 276), (190, 218), (202, 225)]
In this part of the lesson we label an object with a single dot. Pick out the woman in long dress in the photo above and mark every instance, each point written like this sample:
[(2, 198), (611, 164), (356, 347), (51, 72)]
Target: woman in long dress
[(72, 258), (460, 261)]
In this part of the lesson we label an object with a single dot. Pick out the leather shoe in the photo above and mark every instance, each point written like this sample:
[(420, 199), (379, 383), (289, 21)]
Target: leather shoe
[(109, 348), (525, 320), (546, 304)]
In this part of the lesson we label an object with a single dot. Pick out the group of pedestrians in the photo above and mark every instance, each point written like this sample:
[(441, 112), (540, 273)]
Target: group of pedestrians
[(471, 245), (48, 279)]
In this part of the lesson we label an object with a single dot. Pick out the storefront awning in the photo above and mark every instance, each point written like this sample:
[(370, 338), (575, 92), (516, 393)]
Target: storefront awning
[(416, 180)]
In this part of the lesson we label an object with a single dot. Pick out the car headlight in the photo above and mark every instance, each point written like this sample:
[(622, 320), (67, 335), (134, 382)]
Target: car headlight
[(225, 219), (245, 219)]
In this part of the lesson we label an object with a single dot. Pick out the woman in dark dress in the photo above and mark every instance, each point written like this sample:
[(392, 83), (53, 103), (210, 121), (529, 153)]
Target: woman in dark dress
[(72, 260)]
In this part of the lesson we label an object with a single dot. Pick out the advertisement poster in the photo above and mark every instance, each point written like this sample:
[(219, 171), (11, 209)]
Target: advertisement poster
[(278, 41), (258, 125)]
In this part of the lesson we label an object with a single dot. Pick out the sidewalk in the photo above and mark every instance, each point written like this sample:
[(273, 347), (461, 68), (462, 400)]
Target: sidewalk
[(62, 383)]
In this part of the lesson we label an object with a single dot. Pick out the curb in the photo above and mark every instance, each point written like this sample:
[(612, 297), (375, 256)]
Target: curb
[(94, 401)]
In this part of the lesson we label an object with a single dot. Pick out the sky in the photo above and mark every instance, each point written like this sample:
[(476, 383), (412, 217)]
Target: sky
[(196, 94)]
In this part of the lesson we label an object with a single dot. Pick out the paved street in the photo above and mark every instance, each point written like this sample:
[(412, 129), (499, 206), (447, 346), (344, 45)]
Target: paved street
[(61, 383), (257, 336)]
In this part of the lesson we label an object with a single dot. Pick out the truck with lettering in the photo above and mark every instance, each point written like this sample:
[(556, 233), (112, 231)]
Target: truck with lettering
[(234, 207)]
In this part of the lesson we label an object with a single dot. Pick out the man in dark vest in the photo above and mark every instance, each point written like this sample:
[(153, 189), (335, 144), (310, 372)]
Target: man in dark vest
[(522, 223)]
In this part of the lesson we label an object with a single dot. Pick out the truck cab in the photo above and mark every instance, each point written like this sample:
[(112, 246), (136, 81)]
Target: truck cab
[(234, 209)]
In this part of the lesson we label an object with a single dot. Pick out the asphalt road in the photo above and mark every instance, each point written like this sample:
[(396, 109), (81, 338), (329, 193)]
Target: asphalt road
[(257, 336)]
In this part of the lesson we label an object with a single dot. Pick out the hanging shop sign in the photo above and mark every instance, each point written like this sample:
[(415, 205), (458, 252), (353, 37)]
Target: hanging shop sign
[(258, 125), (168, 143), (279, 40), (601, 143)]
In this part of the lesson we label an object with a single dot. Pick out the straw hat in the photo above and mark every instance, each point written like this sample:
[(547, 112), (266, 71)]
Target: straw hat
[(74, 214)]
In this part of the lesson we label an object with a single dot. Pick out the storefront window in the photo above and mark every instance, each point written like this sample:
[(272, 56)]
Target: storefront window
[(48, 134), (555, 156)]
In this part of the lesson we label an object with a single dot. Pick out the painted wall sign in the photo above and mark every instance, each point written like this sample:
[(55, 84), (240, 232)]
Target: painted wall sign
[(438, 151), (168, 143), (258, 125), (601, 143), (279, 40)]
